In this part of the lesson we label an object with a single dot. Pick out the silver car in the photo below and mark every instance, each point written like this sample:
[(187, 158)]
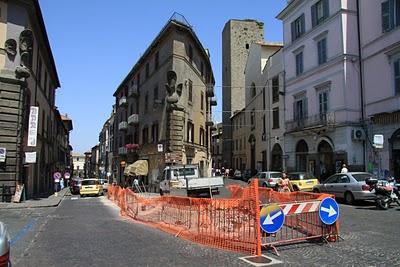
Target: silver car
[(4, 246), (267, 179), (349, 186)]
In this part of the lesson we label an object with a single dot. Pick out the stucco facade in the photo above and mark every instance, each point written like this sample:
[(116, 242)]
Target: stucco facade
[(144, 118), (381, 81), (323, 99), (28, 77)]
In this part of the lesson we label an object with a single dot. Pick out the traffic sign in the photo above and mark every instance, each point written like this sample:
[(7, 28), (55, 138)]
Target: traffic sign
[(67, 175), (328, 211), (57, 176), (271, 218)]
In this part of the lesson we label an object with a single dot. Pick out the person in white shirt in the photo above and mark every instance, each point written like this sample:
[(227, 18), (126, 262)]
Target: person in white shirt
[(344, 169)]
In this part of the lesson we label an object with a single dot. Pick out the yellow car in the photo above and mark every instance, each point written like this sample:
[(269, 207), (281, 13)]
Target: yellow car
[(302, 181), (91, 187)]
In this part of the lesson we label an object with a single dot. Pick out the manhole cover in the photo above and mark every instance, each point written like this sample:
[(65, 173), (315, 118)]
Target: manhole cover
[(260, 260)]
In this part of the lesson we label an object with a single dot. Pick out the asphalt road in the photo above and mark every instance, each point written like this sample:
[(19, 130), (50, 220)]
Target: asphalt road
[(90, 232)]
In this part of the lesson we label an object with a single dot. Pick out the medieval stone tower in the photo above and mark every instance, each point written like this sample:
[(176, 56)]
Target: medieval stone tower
[(236, 39)]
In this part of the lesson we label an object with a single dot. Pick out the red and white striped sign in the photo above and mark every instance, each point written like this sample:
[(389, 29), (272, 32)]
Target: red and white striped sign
[(295, 208)]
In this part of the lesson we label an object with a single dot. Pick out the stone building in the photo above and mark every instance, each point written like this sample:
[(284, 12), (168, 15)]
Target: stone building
[(237, 37), (29, 121), (163, 106), (216, 144), (88, 163), (240, 133), (78, 161), (324, 97), (95, 162)]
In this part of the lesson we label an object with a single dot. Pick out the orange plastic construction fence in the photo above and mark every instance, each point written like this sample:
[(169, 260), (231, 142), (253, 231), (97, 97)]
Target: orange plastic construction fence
[(231, 224)]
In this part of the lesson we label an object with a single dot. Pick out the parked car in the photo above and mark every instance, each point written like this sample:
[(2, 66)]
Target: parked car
[(267, 179), (302, 181), (91, 186), (246, 175), (349, 186), (104, 183), (75, 185), (4, 246), (237, 175)]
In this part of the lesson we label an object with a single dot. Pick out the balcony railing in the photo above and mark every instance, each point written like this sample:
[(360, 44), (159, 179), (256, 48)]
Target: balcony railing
[(315, 121), (210, 91), (122, 151), (122, 101), (133, 91), (213, 101), (123, 126), (133, 119)]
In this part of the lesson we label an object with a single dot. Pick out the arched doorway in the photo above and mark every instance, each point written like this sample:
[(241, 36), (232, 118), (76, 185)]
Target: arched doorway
[(276, 158), (301, 156), (326, 162), (394, 142), (252, 141)]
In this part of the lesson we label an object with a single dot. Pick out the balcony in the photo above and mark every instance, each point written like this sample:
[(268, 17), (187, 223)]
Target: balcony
[(210, 91), (133, 91), (122, 101), (122, 151), (209, 120), (133, 119), (123, 126), (312, 122), (213, 101)]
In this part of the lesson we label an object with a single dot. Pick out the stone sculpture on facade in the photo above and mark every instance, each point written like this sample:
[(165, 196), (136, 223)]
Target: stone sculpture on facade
[(26, 53), (174, 92), (10, 46)]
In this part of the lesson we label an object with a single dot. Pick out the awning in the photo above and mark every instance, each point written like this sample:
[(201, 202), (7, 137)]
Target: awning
[(139, 167)]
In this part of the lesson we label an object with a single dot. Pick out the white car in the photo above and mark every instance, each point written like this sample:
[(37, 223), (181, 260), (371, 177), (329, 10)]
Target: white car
[(104, 183), (267, 179), (4, 246)]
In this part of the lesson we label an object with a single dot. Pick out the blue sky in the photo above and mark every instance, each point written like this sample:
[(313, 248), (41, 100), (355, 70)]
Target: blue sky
[(96, 42)]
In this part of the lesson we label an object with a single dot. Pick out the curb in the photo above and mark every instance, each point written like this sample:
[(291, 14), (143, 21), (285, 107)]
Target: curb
[(54, 203)]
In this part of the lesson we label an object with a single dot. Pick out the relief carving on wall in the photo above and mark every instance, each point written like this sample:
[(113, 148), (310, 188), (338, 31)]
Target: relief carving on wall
[(26, 52), (10, 46), (174, 92)]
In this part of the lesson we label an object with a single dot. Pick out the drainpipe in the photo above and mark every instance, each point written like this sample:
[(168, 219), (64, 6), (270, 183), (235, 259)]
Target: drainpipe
[(361, 80)]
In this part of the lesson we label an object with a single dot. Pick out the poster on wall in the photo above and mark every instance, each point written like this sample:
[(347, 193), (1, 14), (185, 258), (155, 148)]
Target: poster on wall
[(30, 157), (33, 125)]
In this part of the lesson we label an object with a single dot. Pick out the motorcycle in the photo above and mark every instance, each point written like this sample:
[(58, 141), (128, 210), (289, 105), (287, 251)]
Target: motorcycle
[(386, 192)]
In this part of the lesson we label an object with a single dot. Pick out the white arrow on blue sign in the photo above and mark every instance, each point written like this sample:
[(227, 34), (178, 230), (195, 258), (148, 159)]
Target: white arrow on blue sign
[(271, 218), (328, 211)]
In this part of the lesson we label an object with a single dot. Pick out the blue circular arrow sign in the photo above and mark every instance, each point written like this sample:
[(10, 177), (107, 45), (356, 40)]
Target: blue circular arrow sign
[(328, 211), (271, 218)]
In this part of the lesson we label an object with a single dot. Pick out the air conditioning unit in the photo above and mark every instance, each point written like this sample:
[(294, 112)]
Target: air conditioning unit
[(358, 135)]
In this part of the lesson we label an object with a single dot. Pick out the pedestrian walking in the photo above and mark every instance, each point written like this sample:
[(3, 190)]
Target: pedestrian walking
[(284, 183), (344, 169)]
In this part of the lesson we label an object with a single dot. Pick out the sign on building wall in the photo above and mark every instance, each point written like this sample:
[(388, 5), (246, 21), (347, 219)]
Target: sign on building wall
[(3, 153), (30, 157), (33, 125)]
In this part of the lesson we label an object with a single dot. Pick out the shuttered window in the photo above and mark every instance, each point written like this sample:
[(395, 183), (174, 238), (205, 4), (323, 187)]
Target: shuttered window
[(322, 51), (390, 13), (397, 76), (299, 63), (319, 12), (298, 27)]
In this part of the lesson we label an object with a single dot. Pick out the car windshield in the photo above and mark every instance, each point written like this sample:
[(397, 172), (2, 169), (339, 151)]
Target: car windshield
[(301, 176), (360, 177), (89, 182), (276, 175)]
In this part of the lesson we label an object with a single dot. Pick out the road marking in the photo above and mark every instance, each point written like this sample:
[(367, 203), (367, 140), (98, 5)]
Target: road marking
[(260, 261), (74, 198), (21, 233)]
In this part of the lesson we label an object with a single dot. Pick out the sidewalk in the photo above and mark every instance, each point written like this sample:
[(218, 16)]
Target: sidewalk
[(51, 201)]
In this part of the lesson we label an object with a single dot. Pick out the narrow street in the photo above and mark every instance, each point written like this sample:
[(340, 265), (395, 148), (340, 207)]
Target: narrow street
[(90, 232)]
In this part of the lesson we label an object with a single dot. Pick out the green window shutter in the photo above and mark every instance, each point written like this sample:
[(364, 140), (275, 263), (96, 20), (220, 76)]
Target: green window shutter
[(385, 16), (397, 76), (326, 9), (303, 24), (305, 108), (314, 15), (293, 28)]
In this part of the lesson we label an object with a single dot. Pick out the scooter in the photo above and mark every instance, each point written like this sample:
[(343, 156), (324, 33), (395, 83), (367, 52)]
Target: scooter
[(386, 193)]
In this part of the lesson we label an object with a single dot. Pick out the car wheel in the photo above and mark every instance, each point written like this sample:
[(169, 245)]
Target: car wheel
[(82, 196), (348, 198), (315, 190), (295, 188), (264, 185), (161, 193)]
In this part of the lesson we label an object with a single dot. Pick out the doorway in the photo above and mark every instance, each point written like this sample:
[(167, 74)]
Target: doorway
[(301, 156)]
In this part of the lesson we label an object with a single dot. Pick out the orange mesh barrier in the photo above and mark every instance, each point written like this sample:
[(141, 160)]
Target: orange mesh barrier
[(231, 224)]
